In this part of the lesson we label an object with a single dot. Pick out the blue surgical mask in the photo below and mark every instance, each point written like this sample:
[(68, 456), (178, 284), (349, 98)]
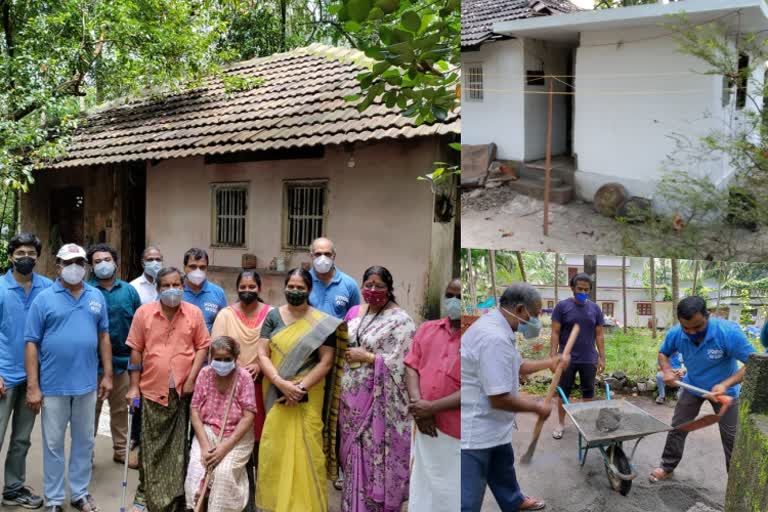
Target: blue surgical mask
[(582, 297), (699, 336), (528, 328), (223, 368), (452, 307)]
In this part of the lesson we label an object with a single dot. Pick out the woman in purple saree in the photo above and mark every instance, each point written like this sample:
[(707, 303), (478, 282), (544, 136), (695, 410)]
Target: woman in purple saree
[(373, 414)]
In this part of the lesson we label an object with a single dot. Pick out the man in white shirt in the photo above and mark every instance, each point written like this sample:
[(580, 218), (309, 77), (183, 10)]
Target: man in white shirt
[(152, 261), (490, 369)]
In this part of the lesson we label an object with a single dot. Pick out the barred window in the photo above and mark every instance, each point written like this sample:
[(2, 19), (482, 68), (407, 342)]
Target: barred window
[(608, 308), (230, 205), (475, 82), (644, 308), (305, 208)]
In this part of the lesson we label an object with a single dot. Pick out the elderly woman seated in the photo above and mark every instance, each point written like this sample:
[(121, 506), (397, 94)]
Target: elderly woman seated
[(221, 447)]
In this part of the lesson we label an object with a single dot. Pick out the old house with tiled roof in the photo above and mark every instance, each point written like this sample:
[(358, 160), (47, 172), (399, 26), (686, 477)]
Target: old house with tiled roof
[(259, 172)]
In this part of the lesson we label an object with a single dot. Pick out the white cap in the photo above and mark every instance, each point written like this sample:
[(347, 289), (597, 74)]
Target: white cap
[(70, 252)]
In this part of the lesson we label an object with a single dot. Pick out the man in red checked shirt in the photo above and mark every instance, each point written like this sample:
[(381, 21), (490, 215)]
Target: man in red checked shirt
[(433, 377)]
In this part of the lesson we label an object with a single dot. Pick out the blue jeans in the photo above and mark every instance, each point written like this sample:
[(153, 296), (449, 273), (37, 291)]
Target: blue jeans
[(14, 411), (79, 413), (661, 387), (494, 467)]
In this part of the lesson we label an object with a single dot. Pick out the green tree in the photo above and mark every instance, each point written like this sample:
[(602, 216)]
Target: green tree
[(611, 4)]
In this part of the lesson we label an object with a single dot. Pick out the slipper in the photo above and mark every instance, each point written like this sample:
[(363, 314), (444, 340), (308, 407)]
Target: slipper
[(530, 503), (557, 433), (658, 475), (338, 484)]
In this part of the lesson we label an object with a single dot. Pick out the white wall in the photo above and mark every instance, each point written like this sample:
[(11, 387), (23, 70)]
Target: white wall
[(499, 117), (554, 61), (609, 269), (630, 99)]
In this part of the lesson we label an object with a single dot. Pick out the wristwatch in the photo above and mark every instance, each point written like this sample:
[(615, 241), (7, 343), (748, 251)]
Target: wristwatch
[(301, 387)]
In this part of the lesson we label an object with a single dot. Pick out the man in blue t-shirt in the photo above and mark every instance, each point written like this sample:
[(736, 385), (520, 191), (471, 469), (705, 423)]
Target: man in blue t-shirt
[(588, 354), (208, 297), (19, 287), (711, 349), (67, 330), (333, 291), (676, 363)]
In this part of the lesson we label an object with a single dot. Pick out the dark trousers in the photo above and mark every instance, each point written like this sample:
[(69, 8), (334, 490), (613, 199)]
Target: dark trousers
[(687, 409), (494, 467)]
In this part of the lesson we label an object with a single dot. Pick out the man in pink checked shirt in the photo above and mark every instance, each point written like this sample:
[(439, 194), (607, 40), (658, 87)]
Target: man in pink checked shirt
[(433, 377)]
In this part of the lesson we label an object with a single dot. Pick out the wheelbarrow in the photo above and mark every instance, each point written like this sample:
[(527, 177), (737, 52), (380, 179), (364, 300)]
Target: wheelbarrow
[(635, 424)]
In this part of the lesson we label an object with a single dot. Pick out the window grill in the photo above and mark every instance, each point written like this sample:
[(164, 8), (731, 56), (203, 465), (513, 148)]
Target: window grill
[(608, 308), (475, 82), (230, 208), (305, 209), (644, 308)]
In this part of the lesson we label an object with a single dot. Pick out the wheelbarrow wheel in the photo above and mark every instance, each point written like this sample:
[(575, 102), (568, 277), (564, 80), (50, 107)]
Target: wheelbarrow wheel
[(621, 462)]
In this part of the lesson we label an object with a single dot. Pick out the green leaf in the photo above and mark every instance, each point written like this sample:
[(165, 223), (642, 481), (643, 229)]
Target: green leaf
[(411, 21), (376, 14), (352, 26), (455, 145), (381, 67), (358, 9), (388, 6)]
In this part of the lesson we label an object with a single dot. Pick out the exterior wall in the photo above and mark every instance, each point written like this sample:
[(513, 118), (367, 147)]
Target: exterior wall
[(630, 100), (554, 61), (498, 118), (378, 213), (609, 269)]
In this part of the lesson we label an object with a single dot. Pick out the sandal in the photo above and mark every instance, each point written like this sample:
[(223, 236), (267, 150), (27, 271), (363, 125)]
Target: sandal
[(557, 434), (338, 484), (658, 475), (530, 503)]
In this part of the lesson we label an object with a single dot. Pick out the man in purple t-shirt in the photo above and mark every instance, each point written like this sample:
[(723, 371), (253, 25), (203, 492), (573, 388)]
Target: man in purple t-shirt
[(588, 354)]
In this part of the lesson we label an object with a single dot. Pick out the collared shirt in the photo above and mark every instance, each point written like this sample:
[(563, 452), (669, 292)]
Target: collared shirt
[(715, 358), (14, 307), (210, 300), (337, 297), (147, 291), (490, 365), (433, 355), (122, 302), (66, 331), (168, 347)]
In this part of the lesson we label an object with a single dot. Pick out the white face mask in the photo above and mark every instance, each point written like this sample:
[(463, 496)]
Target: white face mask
[(323, 264), (171, 297), (104, 270), (151, 268), (196, 277), (73, 274)]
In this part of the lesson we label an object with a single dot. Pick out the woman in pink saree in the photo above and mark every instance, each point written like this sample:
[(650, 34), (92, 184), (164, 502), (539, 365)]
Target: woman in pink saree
[(373, 414)]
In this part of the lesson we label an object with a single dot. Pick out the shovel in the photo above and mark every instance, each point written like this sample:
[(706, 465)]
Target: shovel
[(709, 419)]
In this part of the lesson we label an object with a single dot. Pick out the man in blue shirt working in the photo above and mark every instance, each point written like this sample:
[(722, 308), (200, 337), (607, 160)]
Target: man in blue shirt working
[(19, 287), (333, 291), (711, 348), (676, 363), (208, 297), (67, 330)]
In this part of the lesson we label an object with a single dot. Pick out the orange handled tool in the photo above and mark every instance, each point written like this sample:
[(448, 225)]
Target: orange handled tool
[(709, 419)]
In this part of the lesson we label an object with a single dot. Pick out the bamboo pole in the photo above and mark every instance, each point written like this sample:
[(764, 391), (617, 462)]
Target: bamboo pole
[(521, 265), (492, 270), (695, 276), (653, 298), (624, 289), (557, 271), (471, 275), (548, 164)]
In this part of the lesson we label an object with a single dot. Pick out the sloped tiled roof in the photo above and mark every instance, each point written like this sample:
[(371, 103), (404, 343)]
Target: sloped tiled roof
[(300, 104), (478, 16)]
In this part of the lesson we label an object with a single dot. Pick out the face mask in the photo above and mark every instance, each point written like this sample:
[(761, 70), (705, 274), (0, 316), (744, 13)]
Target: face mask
[(323, 264), (171, 297), (528, 328), (223, 368), (581, 297), (375, 297), (73, 274), (248, 297), (452, 307), (196, 277), (698, 337), (151, 268), (24, 265), (104, 270), (296, 297)]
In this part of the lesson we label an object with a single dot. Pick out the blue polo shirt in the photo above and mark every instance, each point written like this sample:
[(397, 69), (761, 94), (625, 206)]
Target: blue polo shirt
[(210, 301), (337, 297), (66, 331), (122, 302), (715, 358), (14, 306)]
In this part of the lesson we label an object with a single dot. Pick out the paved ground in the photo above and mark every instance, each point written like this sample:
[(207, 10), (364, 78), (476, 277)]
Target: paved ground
[(107, 475), (554, 474)]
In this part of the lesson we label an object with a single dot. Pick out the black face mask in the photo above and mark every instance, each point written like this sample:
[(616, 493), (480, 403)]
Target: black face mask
[(24, 265), (248, 297)]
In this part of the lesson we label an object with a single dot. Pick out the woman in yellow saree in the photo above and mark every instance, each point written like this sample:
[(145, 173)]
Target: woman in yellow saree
[(296, 354)]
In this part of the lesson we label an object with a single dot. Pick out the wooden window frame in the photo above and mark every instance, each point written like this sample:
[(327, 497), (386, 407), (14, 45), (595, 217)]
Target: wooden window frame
[(640, 306), (234, 185), (287, 186)]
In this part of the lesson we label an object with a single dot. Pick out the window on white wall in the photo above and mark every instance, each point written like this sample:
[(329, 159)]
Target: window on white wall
[(644, 308), (607, 308), (304, 212), (742, 82), (474, 83), (230, 207)]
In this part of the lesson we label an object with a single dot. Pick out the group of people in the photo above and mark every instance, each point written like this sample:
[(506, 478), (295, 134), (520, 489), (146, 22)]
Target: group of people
[(491, 365), (246, 406)]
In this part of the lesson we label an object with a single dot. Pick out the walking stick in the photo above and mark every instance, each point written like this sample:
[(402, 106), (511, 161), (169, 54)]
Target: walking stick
[(550, 393), (133, 405), (209, 470)]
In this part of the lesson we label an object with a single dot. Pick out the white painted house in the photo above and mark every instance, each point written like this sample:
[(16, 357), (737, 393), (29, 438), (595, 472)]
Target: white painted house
[(625, 92)]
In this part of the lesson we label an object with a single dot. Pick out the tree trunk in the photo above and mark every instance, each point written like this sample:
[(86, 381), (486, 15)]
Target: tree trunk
[(557, 272), (719, 286), (283, 16), (653, 298), (624, 289), (590, 268), (675, 289), (521, 265), (492, 271), (471, 276), (695, 277)]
